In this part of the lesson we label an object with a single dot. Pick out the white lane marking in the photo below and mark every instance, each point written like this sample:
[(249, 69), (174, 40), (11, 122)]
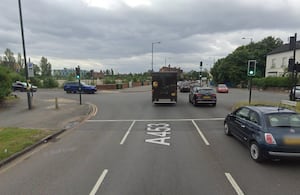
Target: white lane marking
[(99, 182), (157, 120), (201, 134), (127, 133), (234, 184)]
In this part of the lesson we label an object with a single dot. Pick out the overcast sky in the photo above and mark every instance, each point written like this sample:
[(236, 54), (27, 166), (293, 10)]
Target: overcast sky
[(118, 34)]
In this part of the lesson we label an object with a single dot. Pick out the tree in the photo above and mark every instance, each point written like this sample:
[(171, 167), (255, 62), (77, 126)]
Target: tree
[(45, 67), (232, 69), (36, 69), (9, 60)]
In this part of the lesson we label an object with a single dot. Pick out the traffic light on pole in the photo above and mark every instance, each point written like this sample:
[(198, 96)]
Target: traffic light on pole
[(251, 68), (77, 72)]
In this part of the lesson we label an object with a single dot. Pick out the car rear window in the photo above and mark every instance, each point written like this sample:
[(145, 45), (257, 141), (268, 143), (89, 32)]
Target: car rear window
[(283, 120)]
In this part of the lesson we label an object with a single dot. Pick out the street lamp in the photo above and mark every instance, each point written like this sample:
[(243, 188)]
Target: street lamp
[(152, 53), (251, 40)]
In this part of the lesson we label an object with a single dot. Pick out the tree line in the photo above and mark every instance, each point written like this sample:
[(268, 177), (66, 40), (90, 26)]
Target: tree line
[(232, 69), (12, 69)]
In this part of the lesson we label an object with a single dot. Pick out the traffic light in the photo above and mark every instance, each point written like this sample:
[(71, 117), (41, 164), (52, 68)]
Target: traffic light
[(251, 68), (77, 72)]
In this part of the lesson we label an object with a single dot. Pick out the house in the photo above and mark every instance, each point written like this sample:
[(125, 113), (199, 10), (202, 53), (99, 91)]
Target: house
[(278, 60)]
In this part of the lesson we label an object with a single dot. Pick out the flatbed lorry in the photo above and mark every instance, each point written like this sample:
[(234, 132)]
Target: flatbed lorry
[(164, 86)]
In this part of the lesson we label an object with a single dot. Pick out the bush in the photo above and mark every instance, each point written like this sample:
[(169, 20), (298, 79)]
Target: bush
[(263, 83), (50, 82), (5, 84)]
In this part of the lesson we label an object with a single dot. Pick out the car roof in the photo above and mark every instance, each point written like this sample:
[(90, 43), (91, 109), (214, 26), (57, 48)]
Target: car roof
[(270, 109)]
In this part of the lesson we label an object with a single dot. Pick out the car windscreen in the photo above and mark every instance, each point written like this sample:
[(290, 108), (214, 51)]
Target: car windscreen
[(283, 120)]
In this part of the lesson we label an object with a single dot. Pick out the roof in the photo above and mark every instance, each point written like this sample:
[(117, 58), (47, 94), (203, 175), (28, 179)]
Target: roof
[(284, 48), (270, 109)]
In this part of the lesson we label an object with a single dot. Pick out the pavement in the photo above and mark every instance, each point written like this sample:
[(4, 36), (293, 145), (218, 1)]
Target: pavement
[(44, 113)]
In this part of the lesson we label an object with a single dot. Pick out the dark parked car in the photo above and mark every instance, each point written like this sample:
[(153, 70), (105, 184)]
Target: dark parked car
[(73, 87), (269, 132), (202, 95), (22, 86)]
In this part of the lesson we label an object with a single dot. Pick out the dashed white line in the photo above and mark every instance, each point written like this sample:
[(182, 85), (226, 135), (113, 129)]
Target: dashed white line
[(127, 133), (234, 184), (99, 182), (201, 134)]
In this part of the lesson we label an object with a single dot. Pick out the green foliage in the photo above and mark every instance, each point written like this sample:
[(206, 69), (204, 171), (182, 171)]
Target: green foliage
[(109, 80), (45, 67), (263, 83), (36, 81), (233, 68), (5, 84), (50, 82)]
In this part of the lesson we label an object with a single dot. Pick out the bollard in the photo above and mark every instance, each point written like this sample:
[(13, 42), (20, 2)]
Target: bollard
[(56, 103)]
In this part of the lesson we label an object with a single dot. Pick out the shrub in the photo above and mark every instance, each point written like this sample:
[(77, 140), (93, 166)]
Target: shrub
[(5, 84), (284, 82), (50, 82)]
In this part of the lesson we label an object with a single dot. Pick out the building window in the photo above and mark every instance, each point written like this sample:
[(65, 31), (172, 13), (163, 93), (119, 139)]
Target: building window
[(273, 65), (284, 62)]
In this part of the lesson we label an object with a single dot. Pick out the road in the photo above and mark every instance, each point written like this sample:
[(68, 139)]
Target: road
[(135, 147)]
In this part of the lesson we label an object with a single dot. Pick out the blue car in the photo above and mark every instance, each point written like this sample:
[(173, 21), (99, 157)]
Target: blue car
[(269, 132), (73, 87)]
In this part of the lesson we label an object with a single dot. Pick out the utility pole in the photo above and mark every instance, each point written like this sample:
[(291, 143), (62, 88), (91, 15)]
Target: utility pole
[(24, 53)]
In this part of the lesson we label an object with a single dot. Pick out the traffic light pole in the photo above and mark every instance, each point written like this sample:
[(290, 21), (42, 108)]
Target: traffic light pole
[(250, 90), (296, 72)]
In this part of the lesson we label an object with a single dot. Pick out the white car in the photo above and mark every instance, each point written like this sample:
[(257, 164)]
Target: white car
[(22, 86)]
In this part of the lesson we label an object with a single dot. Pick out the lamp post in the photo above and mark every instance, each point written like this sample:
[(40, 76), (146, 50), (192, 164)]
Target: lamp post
[(251, 40), (152, 53)]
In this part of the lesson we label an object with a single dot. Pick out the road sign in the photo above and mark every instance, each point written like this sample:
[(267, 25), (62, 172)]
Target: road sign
[(30, 69)]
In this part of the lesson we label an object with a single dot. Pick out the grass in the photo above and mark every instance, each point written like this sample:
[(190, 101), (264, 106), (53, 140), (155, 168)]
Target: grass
[(13, 140)]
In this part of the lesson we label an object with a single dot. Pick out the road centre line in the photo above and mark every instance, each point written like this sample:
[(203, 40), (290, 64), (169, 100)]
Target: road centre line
[(234, 184), (99, 182), (154, 120), (127, 133), (201, 134)]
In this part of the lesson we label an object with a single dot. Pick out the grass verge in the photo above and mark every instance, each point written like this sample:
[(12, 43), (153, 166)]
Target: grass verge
[(13, 140)]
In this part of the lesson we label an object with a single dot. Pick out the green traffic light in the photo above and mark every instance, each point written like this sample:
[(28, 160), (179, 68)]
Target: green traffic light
[(77, 76)]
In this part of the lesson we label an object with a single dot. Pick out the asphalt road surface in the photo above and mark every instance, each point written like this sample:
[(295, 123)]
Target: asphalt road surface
[(135, 147)]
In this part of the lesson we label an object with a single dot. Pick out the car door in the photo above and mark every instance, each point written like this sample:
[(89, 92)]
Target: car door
[(239, 123), (252, 126)]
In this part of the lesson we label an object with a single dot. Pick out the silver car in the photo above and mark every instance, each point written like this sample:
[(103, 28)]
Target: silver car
[(297, 93)]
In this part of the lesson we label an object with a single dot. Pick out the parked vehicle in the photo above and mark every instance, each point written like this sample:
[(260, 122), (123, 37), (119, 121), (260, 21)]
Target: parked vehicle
[(202, 95), (73, 87), (269, 132), (164, 86), (222, 88), (22, 86), (297, 93)]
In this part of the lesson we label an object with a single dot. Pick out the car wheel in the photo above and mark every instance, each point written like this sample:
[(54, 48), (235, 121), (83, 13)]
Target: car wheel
[(227, 130), (255, 152), (194, 101), (214, 104)]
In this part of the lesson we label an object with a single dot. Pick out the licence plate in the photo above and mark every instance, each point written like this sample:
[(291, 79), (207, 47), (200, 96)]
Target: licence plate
[(291, 140), (206, 97)]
